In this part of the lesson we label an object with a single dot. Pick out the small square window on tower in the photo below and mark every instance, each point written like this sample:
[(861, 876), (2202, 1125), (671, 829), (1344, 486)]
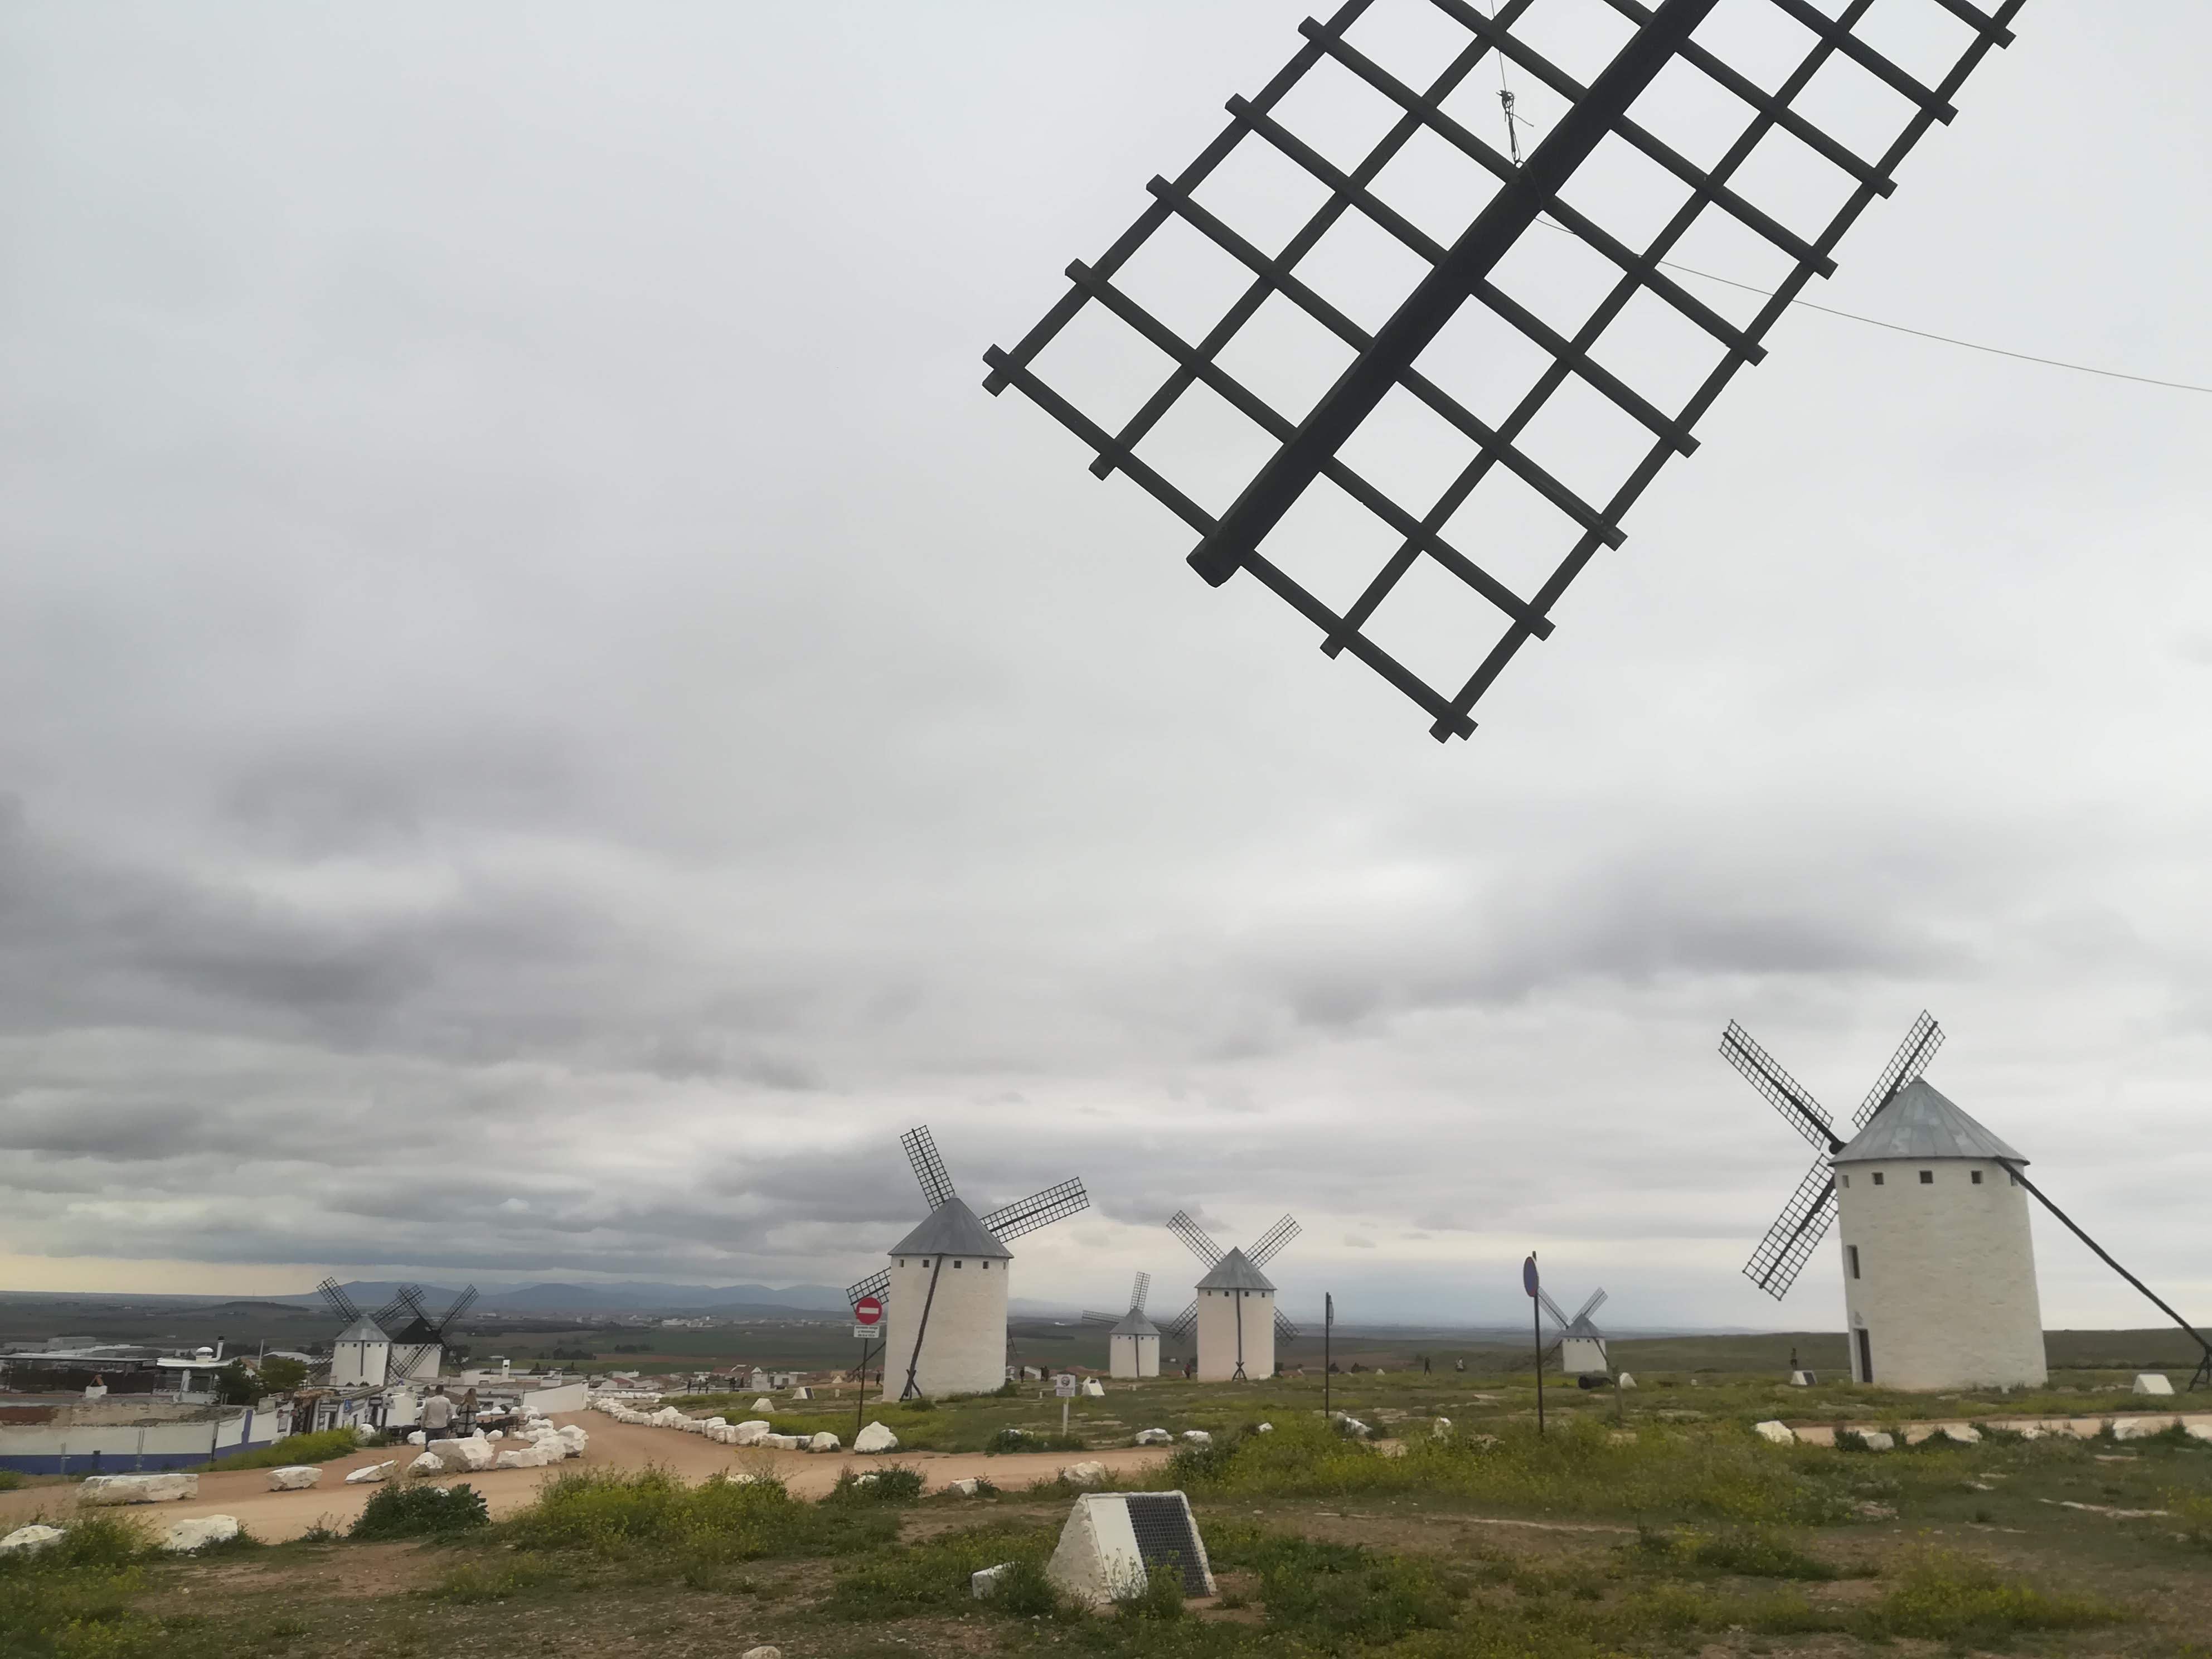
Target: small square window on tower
[(1977, 1177), (1877, 1177), (1928, 1177)]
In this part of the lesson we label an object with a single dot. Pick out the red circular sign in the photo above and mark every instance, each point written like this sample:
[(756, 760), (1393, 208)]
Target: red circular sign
[(868, 1310)]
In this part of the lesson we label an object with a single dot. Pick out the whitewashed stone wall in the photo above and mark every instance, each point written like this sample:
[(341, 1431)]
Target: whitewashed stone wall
[(1218, 1313), (1132, 1356), (964, 1349)]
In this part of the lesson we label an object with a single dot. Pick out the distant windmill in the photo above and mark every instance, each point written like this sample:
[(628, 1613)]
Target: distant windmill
[(1235, 1313), (418, 1348), (361, 1355), (1580, 1346), (944, 1293), (1133, 1345), (1939, 1263)]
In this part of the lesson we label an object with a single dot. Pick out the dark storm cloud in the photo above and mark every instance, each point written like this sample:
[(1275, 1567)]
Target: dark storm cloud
[(545, 717)]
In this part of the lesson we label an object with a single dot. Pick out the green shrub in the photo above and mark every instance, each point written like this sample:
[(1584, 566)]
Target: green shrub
[(421, 1512), (476, 1581), (1160, 1600), (893, 1483), (1744, 1552), (933, 1575), (655, 1523), (9, 1480), (72, 1599), (1952, 1598), (1332, 1594), (294, 1449)]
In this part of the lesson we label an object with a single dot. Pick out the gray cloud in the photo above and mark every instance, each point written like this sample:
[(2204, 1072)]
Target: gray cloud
[(545, 717)]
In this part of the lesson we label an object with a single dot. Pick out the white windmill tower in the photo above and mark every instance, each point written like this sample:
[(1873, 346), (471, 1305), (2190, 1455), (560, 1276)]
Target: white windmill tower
[(1939, 1265), (1132, 1343), (1235, 1313), (944, 1293), (418, 1348), (361, 1355), (1580, 1346)]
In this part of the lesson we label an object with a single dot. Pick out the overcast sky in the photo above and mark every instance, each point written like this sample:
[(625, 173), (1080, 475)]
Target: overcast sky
[(545, 716)]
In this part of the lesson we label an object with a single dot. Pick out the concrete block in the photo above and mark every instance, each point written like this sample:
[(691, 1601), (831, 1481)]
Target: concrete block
[(138, 1488), (875, 1439), (2152, 1382), (801, 1394), (369, 1473), (1803, 1380), (763, 1404), (29, 1538), (295, 1477), (199, 1534), (1093, 1388), (985, 1584), (1099, 1559), (1779, 1433)]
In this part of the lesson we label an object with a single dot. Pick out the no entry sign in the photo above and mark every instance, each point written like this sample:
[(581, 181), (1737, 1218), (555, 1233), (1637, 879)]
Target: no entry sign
[(1529, 1274), (868, 1310)]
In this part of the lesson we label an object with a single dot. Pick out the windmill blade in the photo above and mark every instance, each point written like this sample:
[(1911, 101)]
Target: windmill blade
[(387, 1316), (1557, 1313), (1091, 1316), (462, 1303), (1181, 1325), (1185, 1229), (339, 1303), (1596, 1301), (877, 1285), (1788, 1096), (1026, 1215), (1780, 1256), (410, 1297), (1143, 1288), (1284, 1329), (928, 1167), (1910, 1060), (1271, 1243)]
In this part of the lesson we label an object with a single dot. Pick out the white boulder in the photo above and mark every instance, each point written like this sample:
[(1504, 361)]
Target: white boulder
[(1780, 1434), (33, 1537), (1198, 1437), (295, 1477), (1084, 1475), (2152, 1382), (520, 1458), (765, 1650), (427, 1463), (369, 1473), (465, 1456), (1154, 1437), (2140, 1428), (1624, 1381), (967, 1488), (985, 1584), (1353, 1426), (1965, 1434), (1441, 1428), (418, 1438), (1876, 1440), (1265, 1428), (573, 1436), (825, 1442), (198, 1534), (751, 1433), (875, 1439), (138, 1488)]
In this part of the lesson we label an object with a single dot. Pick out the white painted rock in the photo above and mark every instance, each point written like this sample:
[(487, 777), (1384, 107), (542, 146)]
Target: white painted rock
[(751, 1434), (1876, 1440), (466, 1456), (825, 1442), (966, 1488), (295, 1477), (875, 1439), (1442, 1429), (764, 1651), (1198, 1437), (576, 1438), (1093, 1388), (418, 1438), (985, 1584), (2032, 1431), (1624, 1381), (1353, 1426), (763, 1404), (717, 1423), (138, 1488), (1084, 1475), (525, 1457), (427, 1463), (1153, 1438), (29, 1538), (1966, 1434), (1265, 1428), (372, 1473), (1779, 1433), (2140, 1428), (198, 1534), (2153, 1383)]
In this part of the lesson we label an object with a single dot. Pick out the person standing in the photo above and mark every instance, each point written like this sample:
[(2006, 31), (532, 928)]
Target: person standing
[(437, 1415)]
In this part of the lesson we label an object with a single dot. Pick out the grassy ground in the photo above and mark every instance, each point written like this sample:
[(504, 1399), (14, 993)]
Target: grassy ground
[(1676, 1531)]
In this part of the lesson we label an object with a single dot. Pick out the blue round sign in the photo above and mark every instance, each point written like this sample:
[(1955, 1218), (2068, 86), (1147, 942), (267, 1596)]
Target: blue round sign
[(1529, 1274)]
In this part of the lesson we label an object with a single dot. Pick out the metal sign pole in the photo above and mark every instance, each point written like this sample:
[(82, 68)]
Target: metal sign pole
[(861, 1405), (1328, 1329), (1531, 1284)]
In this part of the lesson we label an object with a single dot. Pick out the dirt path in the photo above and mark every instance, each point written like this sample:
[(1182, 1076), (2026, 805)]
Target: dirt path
[(277, 1516)]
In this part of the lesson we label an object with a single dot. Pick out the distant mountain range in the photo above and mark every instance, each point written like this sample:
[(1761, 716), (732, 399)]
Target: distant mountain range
[(370, 1294)]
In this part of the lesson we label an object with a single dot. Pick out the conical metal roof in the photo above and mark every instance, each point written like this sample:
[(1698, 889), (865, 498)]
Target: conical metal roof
[(1134, 1324), (1234, 1271), (1921, 1123), (951, 1230), (364, 1329)]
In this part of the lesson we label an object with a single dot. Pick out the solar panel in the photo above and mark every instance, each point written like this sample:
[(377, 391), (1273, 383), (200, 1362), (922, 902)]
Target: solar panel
[(1168, 1539), (1411, 575)]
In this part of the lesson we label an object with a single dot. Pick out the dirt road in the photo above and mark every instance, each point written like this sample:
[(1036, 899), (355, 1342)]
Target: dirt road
[(277, 1516)]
